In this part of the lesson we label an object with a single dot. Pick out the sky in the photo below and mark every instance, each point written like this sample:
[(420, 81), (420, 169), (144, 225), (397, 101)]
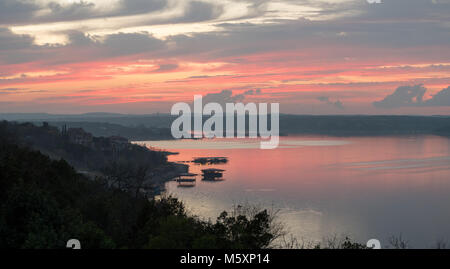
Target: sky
[(143, 56)]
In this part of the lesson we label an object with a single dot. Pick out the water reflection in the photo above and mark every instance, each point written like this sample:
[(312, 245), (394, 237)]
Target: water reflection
[(366, 187), (212, 174)]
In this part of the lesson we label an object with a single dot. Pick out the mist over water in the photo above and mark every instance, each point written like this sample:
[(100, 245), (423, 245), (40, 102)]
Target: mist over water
[(363, 187)]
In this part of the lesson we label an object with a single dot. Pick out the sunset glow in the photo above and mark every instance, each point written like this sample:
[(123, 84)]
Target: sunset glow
[(142, 56)]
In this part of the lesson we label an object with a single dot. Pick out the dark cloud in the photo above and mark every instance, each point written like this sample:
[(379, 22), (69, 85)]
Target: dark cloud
[(442, 98), (11, 41), (194, 11), (253, 92), (237, 40), (227, 96), (131, 43), (16, 49), (79, 39), (200, 11), (223, 97), (74, 11), (405, 96), (6, 91), (240, 39), (326, 100), (371, 37), (27, 11), (406, 9), (30, 11), (15, 11), (9, 90), (115, 44), (140, 6), (166, 67)]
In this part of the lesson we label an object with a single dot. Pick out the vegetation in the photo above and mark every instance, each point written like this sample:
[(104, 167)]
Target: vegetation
[(338, 125), (45, 202), (362, 125), (135, 133), (125, 165), (84, 150)]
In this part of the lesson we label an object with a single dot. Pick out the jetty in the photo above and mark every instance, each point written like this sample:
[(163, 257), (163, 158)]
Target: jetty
[(186, 179), (210, 160), (213, 174)]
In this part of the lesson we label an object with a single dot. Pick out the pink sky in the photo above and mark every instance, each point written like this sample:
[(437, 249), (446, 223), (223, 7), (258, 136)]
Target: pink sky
[(124, 56)]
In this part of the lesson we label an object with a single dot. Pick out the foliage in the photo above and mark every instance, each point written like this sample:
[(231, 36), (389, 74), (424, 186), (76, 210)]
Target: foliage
[(45, 202)]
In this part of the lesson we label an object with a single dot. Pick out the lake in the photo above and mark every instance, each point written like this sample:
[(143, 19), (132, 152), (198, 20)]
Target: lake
[(362, 187)]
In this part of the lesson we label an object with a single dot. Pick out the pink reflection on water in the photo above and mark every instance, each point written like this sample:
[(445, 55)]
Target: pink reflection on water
[(363, 186)]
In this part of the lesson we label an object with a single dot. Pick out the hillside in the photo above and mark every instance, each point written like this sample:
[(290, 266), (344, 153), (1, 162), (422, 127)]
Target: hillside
[(44, 203), (143, 127), (125, 165)]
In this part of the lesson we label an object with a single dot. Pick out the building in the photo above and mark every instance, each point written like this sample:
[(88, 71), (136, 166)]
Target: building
[(118, 142), (80, 137)]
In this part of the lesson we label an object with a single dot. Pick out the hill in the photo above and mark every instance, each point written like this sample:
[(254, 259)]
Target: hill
[(45, 202)]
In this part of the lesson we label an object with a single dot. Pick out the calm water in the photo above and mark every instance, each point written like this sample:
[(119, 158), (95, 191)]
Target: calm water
[(364, 187)]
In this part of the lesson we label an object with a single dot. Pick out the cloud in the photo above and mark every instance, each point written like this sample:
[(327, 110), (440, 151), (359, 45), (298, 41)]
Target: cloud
[(32, 11), (326, 100), (226, 96), (237, 38), (140, 6), (223, 97), (21, 12), (16, 49), (407, 96), (9, 90), (131, 43), (6, 91), (442, 98), (14, 11), (253, 92), (403, 96), (11, 41), (276, 41), (406, 9), (73, 11), (200, 11), (166, 67)]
